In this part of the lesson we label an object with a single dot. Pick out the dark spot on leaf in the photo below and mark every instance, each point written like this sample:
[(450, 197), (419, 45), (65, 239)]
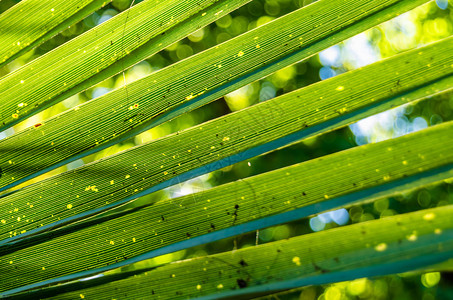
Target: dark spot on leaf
[(212, 226), (318, 268), (236, 206), (162, 217), (241, 283), (243, 263), (304, 194), (188, 234)]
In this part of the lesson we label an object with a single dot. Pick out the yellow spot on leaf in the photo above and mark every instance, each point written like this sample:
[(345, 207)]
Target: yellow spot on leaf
[(241, 53), (43, 268), (112, 181), (133, 239), (92, 188), (112, 243), (3, 222), (437, 231), (220, 286), (412, 237), (69, 206), (15, 116), (429, 216), (296, 260), (198, 287), (82, 296), (381, 247), (340, 88), (127, 176)]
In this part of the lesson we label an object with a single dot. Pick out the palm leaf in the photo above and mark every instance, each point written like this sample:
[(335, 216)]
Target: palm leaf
[(101, 52), (52, 18), (231, 209), (162, 95), (217, 144), (78, 219), (395, 244)]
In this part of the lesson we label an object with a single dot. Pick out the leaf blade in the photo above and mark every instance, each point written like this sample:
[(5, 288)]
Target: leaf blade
[(98, 54), (26, 14), (230, 209), (163, 96), (386, 246), (180, 156)]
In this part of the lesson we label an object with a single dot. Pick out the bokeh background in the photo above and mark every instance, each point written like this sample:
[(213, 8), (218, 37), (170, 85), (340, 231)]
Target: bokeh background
[(418, 27)]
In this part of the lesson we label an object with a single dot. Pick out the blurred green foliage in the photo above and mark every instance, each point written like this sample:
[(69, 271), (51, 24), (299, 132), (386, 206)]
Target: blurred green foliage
[(425, 24)]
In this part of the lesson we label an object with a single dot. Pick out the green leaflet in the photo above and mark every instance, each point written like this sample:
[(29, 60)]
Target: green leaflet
[(187, 84), (135, 34), (168, 222), (19, 29), (390, 245), (212, 145)]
